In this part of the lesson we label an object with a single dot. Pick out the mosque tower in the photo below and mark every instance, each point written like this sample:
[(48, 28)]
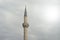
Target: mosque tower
[(25, 25)]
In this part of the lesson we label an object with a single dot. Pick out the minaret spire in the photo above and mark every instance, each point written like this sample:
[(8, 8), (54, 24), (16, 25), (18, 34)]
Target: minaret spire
[(25, 13), (25, 25)]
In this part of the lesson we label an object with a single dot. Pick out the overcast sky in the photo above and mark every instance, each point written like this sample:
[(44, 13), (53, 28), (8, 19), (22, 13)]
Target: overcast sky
[(43, 19)]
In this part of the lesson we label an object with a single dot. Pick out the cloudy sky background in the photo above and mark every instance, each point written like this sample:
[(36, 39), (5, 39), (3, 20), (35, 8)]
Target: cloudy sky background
[(43, 19)]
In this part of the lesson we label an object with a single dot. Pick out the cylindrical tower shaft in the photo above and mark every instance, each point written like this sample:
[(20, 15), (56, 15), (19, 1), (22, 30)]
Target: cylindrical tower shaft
[(25, 33), (25, 19)]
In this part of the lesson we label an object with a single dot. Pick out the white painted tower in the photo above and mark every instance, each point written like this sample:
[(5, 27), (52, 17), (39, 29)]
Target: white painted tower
[(25, 25)]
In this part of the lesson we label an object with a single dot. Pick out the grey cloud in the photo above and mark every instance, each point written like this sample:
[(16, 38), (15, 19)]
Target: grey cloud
[(12, 19)]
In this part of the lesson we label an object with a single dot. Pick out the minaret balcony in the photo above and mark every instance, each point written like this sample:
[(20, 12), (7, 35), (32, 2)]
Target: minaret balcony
[(25, 25)]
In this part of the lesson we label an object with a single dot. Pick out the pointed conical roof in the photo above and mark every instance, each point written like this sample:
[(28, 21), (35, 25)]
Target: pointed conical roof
[(25, 13)]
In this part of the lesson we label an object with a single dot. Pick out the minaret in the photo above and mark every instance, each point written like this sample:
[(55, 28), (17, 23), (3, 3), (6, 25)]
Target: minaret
[(25, 25)]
